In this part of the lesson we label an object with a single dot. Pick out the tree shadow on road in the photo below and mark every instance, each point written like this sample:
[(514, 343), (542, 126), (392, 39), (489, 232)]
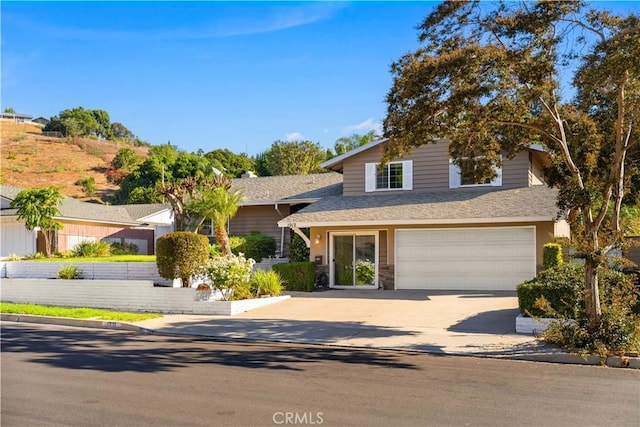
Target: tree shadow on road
[(498, 322), (112, 351)]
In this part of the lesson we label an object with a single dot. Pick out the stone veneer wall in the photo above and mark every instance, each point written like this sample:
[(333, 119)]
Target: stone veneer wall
[(386, 276)]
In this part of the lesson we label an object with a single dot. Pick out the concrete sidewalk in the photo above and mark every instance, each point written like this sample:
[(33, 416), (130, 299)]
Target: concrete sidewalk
[(462, 323)]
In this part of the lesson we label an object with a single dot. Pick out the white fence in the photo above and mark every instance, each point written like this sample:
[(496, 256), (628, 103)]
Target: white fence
[(129, 295)]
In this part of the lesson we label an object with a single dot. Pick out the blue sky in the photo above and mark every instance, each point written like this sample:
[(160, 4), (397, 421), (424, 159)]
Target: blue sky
[(237, 75)]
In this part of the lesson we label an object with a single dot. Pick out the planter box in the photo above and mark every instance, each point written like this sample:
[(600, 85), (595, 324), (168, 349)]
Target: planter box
[(530, 326)]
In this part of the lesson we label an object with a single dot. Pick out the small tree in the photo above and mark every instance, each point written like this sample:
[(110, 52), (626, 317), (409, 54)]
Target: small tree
[(180, 255), (37, 207)]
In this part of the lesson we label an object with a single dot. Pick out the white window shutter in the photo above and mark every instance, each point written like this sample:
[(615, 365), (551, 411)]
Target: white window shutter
[(370, 177), (407, 175), (497, 182), (454, 175)]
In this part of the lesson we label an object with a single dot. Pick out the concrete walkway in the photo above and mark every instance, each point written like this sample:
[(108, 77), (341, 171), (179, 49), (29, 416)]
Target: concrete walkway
[(461, 323)]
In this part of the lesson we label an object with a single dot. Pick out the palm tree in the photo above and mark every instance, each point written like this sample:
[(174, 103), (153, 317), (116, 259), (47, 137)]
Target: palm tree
[(37, 207), (217, 204)]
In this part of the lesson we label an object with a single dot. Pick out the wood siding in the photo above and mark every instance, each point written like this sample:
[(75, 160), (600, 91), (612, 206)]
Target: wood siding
[(90, 231), (430, 169), (263, 219)]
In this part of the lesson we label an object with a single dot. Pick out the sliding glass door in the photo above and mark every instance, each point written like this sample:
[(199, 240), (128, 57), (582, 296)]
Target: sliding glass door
[(354, 259)]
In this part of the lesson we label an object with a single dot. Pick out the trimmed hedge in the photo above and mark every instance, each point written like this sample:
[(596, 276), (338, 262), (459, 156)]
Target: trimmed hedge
[(255, 245), (298, 250), (559, 285), (297, 276), (563, 287), (551, 255), (181, 254)]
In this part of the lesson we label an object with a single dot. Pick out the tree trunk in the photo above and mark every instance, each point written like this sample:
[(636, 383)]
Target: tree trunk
[(594, 312), (222, 238)]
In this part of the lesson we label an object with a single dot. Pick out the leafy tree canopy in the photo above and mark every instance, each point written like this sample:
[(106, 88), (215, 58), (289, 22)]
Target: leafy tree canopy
[(293, 158), (231, 164), (492, 79), (348, 143)]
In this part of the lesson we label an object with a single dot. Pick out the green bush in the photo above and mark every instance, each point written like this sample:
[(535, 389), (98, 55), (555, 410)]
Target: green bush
[(69, 272), (88, 185), (297, 276), (560, 286), (551, 255), (181, 254), (124, 248), (559, 292), (235, 243), (265, 283), (298, 250), (257, 246), (92, 249), (241, 291)]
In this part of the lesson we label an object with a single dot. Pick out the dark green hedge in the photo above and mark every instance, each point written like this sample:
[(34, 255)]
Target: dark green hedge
[(563, 287), (551, 255), (257, 246), (181, 254), (297, 276), (559, 285)]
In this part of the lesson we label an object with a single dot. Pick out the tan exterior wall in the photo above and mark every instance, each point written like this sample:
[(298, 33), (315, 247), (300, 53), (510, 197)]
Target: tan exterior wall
[(386, 241), (263, 219), (430, 169)]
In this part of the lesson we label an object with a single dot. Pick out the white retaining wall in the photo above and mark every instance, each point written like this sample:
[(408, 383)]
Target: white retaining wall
[(124, 295)]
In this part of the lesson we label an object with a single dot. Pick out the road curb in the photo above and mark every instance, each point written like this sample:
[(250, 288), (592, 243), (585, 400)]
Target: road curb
[(78, 323), (556, 357)]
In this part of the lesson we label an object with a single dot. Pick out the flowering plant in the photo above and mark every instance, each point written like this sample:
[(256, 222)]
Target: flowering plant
[(227, 272)]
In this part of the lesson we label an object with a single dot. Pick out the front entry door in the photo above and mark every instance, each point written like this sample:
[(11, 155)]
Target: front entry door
[(354, 260)]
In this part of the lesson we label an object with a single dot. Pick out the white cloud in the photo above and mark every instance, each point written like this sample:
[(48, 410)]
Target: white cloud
[(364, 127), (294, 136)]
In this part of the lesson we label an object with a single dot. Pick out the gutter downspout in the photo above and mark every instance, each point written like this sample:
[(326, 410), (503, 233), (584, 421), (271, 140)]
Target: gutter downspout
[(281, 231)]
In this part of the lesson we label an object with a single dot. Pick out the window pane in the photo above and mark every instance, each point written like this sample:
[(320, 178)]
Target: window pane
[(395, 175), (382, 179)]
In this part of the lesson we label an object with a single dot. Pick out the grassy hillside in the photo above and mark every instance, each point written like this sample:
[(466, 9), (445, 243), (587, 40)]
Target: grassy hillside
[(28, 159)]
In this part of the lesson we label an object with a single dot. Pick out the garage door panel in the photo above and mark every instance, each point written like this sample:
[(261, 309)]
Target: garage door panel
[(487, 258)]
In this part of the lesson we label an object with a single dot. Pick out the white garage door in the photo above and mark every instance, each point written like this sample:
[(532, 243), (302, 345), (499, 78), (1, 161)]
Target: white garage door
[(465, 258), (15, 239)]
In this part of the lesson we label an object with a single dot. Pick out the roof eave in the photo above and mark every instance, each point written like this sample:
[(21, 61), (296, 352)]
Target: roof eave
[(438, 221)]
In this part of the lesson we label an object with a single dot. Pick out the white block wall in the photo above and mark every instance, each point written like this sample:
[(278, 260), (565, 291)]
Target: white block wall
[(124, 295), (89, 270)]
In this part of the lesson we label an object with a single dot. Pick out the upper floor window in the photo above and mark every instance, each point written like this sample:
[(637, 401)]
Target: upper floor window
[(393, 176), (465, 175)]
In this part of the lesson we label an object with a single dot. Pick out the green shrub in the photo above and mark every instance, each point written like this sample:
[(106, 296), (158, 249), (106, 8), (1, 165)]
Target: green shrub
[(257, 246), (298, 250), (551, 255), (297, 276), (560, 286), (124, 248), (69, 272), (235, 244), (365, 272), (241, 291), (88, 185), (181, 254), (559, 292), (92, 249), (265, 283)]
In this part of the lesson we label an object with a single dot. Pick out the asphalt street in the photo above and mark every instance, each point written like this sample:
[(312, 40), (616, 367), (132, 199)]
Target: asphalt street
[(53, 375)]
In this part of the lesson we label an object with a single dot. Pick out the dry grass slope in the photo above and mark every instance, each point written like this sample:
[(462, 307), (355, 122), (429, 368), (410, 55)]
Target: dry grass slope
[(29, 160)]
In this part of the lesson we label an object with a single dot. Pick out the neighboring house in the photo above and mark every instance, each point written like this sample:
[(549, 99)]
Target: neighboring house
[(418, 225), (16, 117), (41, 121), (83, 221)]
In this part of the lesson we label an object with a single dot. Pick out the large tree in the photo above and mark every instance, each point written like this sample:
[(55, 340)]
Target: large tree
[(37, 207), (353, 141), (293, 158), (493, 78)]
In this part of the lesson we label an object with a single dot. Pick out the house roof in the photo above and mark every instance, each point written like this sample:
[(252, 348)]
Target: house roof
[(537, 203), (336, 162), (138, 212), (73, 209), (288, 188)]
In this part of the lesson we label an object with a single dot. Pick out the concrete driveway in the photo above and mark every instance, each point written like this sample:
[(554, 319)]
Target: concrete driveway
[(471, 323)]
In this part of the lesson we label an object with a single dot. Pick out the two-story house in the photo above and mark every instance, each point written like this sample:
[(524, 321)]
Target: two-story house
[(419, 224)]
